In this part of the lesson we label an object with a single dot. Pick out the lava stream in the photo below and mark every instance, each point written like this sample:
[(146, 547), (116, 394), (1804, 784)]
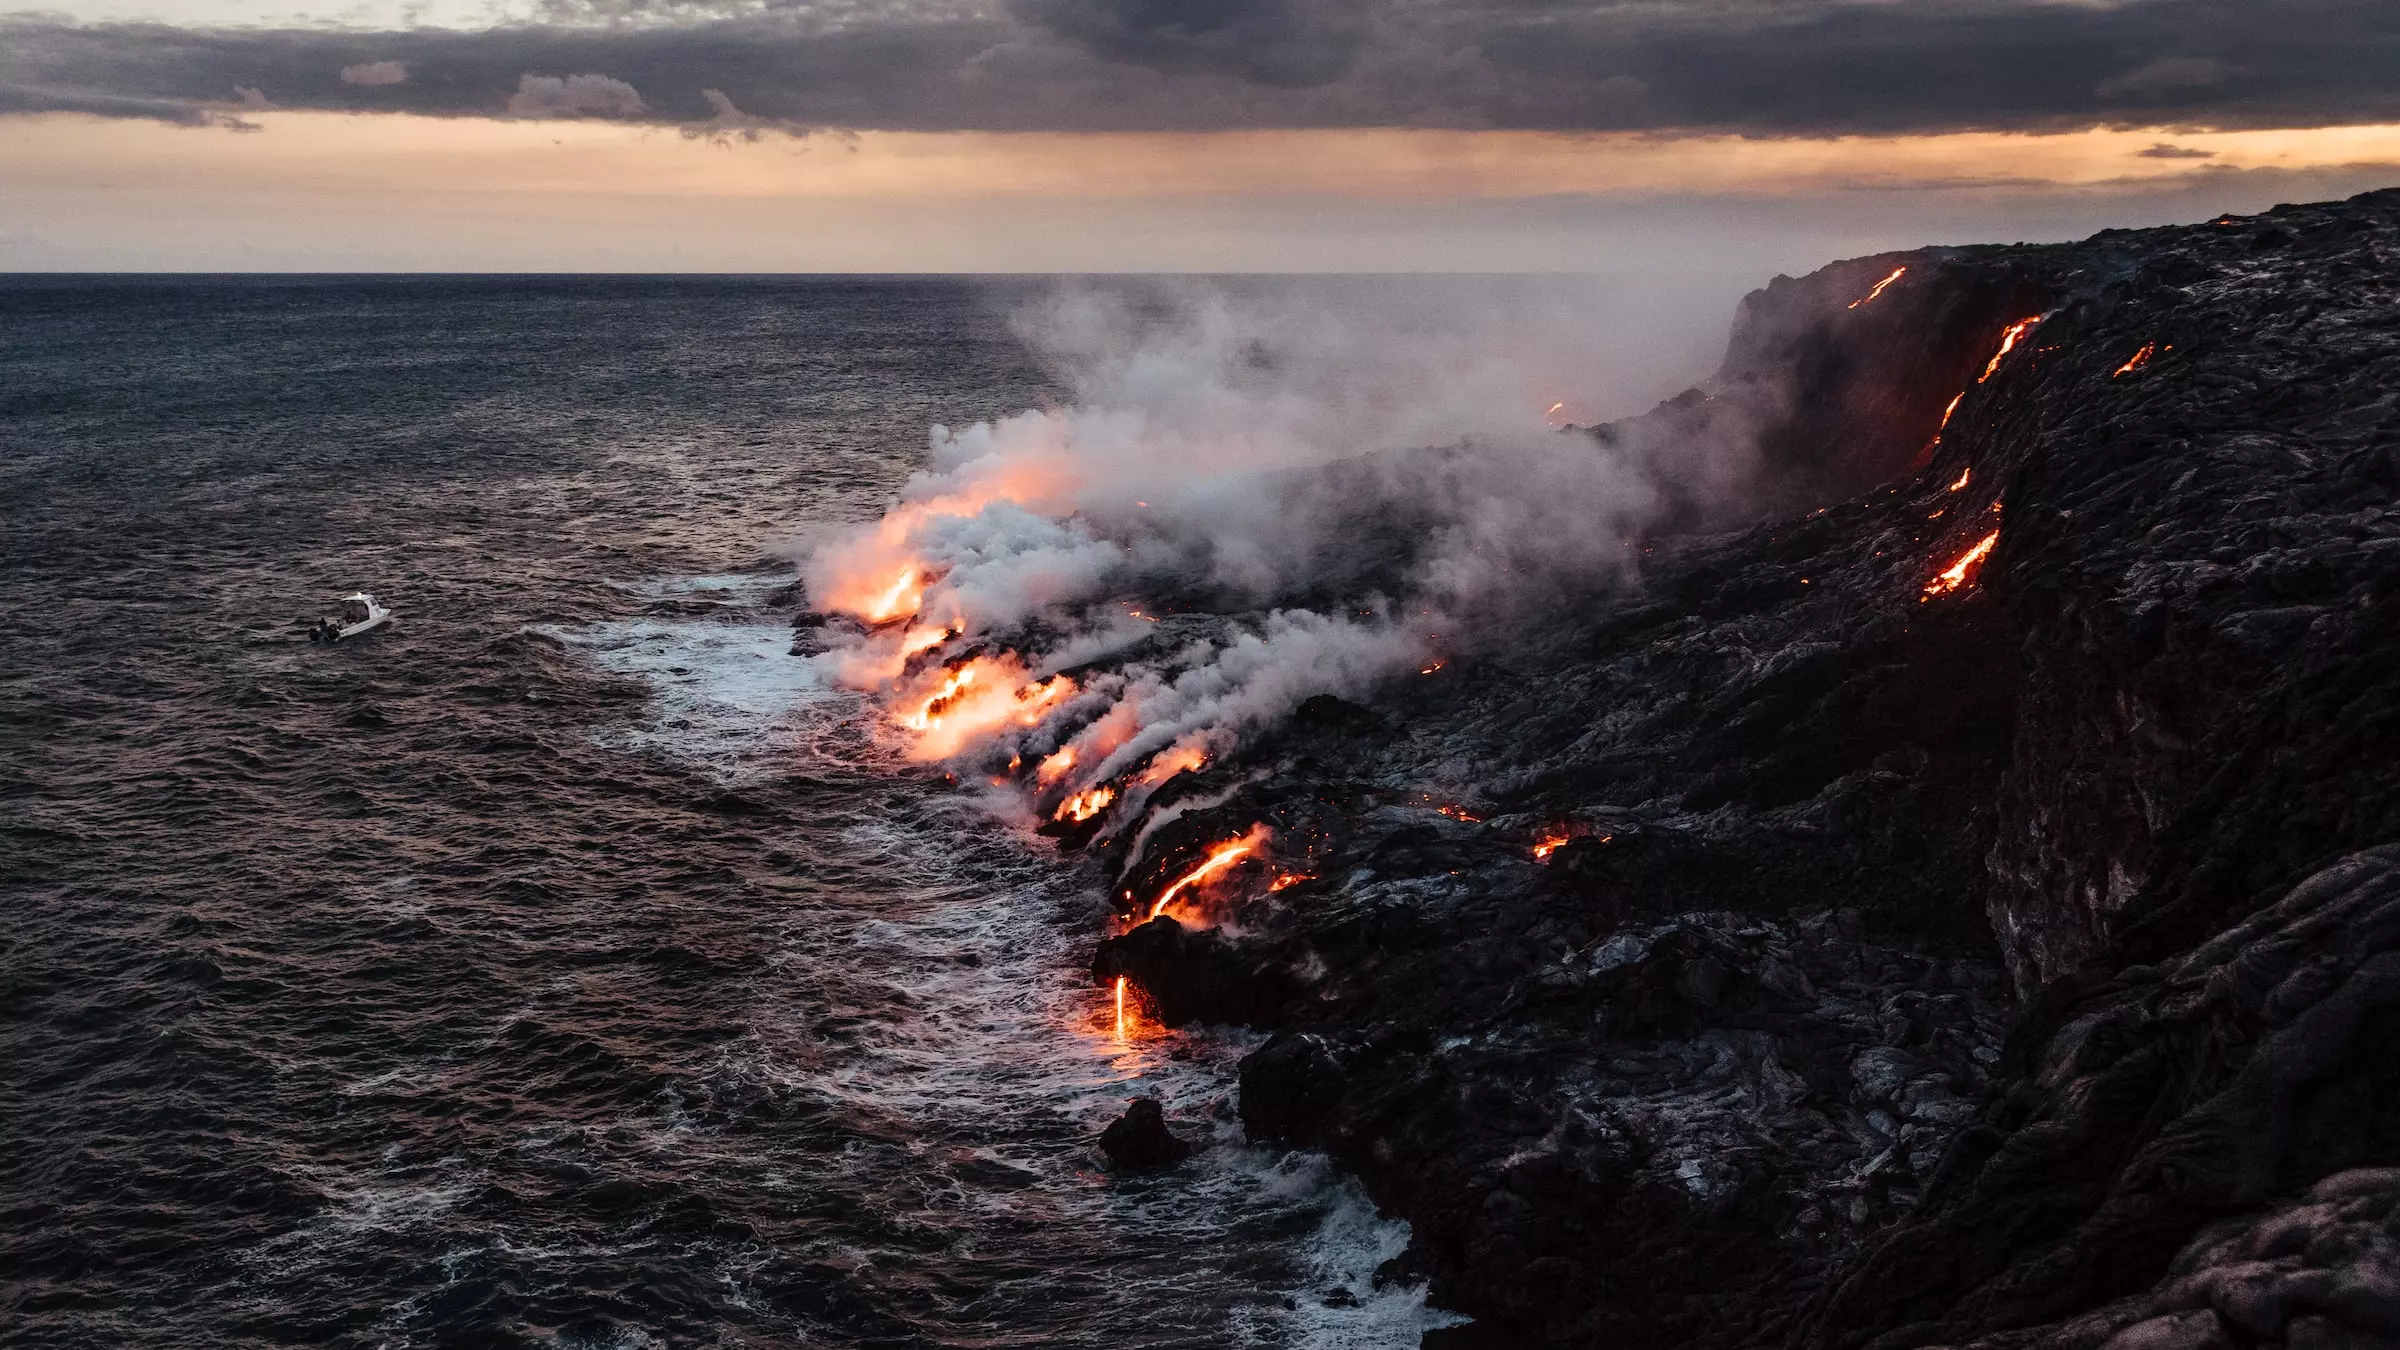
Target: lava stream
[(1221, 857), (1961, 574), (2008, 342), (1086, 804), (1897, 273)]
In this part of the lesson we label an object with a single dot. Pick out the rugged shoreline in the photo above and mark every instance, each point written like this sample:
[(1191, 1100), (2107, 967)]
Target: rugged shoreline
[(1901, 968)]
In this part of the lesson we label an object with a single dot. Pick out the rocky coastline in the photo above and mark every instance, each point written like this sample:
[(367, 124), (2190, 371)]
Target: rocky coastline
[(1858, 933)]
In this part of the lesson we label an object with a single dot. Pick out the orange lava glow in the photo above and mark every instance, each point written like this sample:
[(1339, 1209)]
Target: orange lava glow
[(1963, 476), (923, 639), (1175, 759), (899, 600), (1283, 879), (1431, 669), (1120, 1007), (1459, 813), (1961, 574), (2008, 343), (2137, 360), (881, 576), (1547, 845), (1086, 804), (971, 703), (1056, 764), (1897, 273), (1945, 422), (1219, 858)]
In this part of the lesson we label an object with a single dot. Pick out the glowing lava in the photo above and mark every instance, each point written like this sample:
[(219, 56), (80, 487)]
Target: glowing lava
[(1055, 765), (923, 639), (2137, 360), (1176, 759), (1287, 879), (977, 700), (1120, 1007), (1963, 476), (1547, 845), (897, 601), (1961, 574), (1086, 804), (1897, 273), (1221, 857), (2008, 342), (1945, 422)]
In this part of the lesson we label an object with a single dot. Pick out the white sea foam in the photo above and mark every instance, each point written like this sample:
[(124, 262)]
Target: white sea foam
[(982, 1044)]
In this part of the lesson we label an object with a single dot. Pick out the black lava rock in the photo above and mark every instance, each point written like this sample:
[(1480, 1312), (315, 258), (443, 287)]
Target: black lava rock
[(2012, 963), (1139, 1140)]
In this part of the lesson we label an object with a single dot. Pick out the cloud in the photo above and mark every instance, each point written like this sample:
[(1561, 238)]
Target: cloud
[(2162, 150), (730, 122), (376, 73), (2166, 76), (1791, 67), (18, 98), (1275, 43), (573, 96)]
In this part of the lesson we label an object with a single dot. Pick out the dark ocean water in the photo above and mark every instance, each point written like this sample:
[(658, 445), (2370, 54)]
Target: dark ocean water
[(562, 965)]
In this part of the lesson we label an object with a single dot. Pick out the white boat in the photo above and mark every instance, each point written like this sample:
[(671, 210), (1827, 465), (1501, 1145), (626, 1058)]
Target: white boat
[(359, 614)]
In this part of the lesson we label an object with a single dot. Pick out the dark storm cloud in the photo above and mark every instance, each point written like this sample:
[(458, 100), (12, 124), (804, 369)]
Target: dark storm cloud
[(1274, 43), (1752, 66)]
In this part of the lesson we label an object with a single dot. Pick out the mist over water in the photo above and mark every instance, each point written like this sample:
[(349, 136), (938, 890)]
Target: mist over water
[(572, 963)]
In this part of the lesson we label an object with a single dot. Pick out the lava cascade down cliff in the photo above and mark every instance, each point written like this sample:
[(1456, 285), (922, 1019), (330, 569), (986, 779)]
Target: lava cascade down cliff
[(1950, 910)]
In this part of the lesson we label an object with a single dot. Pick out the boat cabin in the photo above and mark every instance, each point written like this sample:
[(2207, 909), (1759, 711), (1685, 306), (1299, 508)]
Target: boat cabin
[(356, 608)]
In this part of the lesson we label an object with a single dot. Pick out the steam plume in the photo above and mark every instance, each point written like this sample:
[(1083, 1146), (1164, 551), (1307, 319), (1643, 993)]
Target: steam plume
[(1371, 481)]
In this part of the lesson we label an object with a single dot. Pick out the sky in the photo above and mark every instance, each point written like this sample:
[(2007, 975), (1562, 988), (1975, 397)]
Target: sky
[(1650, 137)]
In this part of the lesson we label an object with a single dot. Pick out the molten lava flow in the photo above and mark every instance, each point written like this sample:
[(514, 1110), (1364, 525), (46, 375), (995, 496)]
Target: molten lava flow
[(1897, 273), (1434, 668), (1945, 422), (1219, 858), (1055, 765), (1283, 879), (923, 639), (1120, 1007), (1459, 813), (929, 714), (1961, 574), (858, 575), (1180, 758), (2008, 342), (2137, 360), (977, 700), (1086, 804), (1963, 476), (1547, 845), (897, 601)]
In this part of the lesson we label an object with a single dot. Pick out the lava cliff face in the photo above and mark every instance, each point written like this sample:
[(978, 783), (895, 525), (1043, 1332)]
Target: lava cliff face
[(1957, 909)]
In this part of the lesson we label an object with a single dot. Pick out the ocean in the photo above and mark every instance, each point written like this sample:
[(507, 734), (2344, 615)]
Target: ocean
[(565, 964)]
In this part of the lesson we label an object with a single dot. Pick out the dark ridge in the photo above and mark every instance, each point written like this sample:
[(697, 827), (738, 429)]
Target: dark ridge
[(2015, 963)]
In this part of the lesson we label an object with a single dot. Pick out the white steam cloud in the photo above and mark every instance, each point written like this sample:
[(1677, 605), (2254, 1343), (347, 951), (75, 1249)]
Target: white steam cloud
[(1379, 474)]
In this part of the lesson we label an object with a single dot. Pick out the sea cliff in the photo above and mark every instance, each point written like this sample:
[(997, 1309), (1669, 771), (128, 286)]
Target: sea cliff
[(1952, 897)]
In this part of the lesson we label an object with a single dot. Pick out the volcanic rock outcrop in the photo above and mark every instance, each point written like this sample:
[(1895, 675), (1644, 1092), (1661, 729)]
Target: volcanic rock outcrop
[(1959, 906), (1139, 1140)]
